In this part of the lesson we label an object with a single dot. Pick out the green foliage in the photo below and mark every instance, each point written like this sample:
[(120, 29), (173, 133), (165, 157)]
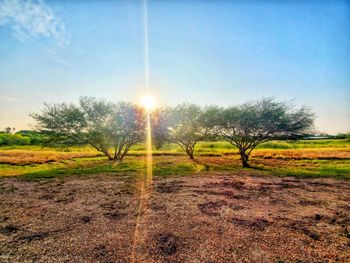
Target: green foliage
[(251, 124), (104, 125), (7, 139), (187, 124), (24, 137), (159, 127), (117, 128), (342, 136), (35, 137)]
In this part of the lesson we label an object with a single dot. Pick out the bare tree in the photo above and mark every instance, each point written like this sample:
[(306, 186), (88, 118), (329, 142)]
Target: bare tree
[(253, 123), (111, 128)]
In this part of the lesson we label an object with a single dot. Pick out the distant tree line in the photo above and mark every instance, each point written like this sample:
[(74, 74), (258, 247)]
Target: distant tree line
[(23, 137), (337, 136), (113, 128)]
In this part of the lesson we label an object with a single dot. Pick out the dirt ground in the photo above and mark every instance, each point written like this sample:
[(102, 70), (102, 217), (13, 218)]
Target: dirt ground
[(215, 217)]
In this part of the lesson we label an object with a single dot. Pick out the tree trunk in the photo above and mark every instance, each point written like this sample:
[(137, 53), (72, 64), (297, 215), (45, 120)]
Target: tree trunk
[(118, 159), (107, 154), (190, 154), (244, 159), (121, 155)]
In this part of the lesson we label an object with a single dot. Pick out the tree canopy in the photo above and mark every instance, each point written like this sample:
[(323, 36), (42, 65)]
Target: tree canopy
[(111, 128), (248, 125), (187, 124), (159, 126)]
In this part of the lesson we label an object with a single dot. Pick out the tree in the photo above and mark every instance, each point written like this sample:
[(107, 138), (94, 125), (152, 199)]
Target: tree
[(187, 124), (253, 123), (342, 136), (159, 126), (36, 138), (111, 128), (8, 129)]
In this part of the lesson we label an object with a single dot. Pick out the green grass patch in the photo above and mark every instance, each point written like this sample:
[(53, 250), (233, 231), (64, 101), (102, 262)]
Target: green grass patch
[(79, 166), (182, 167), (312, 169)]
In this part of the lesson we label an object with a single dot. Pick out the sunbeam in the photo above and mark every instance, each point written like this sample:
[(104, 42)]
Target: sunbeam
[(148, 103)]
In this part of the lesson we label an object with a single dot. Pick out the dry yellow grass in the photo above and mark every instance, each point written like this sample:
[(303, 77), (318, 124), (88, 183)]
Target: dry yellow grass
[(23, 157), (320, 153)]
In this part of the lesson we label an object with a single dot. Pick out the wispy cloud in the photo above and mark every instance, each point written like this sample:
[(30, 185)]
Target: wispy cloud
[(30, 19), (55, 56), (62, 61), (8, 98)]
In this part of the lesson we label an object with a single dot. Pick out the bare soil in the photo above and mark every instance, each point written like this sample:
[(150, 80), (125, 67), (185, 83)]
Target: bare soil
[(221, 217)]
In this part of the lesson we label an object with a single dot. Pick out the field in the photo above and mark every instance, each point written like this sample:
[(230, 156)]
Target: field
[(329, 158), (72, 205)]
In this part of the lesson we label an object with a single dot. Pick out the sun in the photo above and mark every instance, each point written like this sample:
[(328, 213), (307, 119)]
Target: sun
[(147, 102)]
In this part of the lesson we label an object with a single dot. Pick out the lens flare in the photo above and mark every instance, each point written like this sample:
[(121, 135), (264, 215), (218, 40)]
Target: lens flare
[(145, 182), (148, 102)]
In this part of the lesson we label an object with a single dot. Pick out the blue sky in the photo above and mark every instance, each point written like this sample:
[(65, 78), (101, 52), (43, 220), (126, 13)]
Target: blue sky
[(206, 52)]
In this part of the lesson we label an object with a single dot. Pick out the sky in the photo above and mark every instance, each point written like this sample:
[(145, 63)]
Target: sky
[(204, 52)]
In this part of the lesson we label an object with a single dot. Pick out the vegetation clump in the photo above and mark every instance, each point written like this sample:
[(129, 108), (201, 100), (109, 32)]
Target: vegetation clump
[(251, 124), (111, 128)]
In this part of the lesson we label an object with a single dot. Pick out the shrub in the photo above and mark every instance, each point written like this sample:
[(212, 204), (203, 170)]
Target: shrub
[(7, 139)]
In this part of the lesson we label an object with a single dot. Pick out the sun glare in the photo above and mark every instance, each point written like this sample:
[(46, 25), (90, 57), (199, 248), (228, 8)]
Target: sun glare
[(147, 102)]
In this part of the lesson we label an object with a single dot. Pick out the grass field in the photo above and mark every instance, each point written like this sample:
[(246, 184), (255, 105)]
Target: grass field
[(73, 205), (303, 158)]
